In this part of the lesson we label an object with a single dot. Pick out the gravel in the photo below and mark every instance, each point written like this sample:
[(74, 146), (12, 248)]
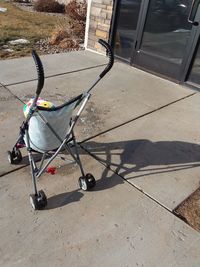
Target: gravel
[(45, 47)]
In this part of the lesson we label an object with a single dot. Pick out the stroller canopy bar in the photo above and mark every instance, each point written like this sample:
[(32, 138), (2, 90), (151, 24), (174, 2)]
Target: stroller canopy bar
[(77, 99)]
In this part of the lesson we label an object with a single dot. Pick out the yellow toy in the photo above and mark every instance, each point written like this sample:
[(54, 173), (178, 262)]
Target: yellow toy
[(40, 102)]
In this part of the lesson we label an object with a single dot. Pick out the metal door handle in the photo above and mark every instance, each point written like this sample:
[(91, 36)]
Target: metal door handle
[(193, 11)]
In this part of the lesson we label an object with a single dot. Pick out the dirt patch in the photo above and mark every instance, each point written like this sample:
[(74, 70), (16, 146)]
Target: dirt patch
[(189, 210)]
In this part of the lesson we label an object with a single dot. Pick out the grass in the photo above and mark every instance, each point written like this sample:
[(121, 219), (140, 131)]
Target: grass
[(17, 23)]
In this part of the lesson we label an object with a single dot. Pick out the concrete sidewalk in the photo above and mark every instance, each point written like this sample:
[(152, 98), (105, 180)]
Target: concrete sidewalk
[(139, 135)]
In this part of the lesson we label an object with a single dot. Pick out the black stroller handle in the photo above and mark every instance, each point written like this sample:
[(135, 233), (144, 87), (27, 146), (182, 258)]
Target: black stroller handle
[(110, 55), (40, 72)]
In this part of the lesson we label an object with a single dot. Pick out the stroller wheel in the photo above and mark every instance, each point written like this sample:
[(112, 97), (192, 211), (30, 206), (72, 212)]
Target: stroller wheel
[(15, 156), (10, 157), (18, 156), (38, 201), (87, 182)]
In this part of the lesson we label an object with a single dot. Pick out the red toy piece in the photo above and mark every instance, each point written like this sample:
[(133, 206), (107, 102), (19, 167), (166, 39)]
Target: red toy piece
[(51, 170)]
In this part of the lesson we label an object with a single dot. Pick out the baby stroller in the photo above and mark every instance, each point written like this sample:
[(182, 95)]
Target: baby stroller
[(49, 131)]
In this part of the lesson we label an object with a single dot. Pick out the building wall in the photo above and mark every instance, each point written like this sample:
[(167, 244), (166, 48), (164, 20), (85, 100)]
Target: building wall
[(67, 1), (99, 23)]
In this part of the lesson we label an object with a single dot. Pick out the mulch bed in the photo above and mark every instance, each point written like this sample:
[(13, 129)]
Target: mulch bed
[(189, 210)]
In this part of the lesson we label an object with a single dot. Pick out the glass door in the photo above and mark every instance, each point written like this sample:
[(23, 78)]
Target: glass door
[(160, 36), (164, 37), (193, 71), (126, 21), (194, 74)]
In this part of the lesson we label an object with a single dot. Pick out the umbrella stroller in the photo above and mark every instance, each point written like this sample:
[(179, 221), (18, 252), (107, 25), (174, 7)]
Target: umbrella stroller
[(50, 130)]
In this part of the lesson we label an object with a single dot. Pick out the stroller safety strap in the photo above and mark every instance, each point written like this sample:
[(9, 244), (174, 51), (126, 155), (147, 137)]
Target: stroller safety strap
[(76, 99)]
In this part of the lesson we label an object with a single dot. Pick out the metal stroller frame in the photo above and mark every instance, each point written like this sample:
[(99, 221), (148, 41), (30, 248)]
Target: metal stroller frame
[(38, 199)]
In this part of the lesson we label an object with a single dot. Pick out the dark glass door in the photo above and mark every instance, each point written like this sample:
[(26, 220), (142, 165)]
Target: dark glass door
[(125, 28), (193, 76), (164, 37)]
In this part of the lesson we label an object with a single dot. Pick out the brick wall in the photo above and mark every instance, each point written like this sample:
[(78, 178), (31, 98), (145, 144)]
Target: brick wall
[(67, 1), (99, 23)]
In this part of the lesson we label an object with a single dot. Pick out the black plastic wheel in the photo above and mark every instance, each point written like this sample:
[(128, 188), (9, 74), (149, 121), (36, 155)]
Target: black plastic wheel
[(18, 156), (15, 156), (10, 157), (87, 182), (39, 201), (91, 180), (83, 183)]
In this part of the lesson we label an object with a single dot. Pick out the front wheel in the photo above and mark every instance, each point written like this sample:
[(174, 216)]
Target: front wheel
[(87, 182), (39, 201)]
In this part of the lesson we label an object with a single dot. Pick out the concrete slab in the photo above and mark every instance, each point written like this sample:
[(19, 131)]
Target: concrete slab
[(23, 69), (115, 225), (5, 95), (123, 95), (11, 118), (159, 154)]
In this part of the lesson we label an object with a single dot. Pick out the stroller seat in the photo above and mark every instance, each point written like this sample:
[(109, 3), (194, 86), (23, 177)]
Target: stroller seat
[(48, 127)]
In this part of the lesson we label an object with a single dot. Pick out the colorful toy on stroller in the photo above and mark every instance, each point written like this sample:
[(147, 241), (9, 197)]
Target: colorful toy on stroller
[(49, 130)]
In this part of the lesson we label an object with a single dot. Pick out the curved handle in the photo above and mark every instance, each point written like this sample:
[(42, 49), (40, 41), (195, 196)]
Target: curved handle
[(110, 55), (40, 72)]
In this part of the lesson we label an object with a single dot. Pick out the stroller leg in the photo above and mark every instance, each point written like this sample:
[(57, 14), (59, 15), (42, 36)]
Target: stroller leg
[(86, 182), (38, 199), (77, 154), (32, 163), (15, 156)]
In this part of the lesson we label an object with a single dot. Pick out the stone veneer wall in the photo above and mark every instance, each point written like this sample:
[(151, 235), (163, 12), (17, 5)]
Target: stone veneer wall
[(99, 23)]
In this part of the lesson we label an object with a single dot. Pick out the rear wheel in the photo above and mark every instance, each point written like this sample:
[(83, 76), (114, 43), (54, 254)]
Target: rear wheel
[(10, 157), (15, 156)]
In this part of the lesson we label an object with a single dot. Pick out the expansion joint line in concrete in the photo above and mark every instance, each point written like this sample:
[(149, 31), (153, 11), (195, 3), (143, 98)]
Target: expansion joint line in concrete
[(124, 179), (134, 186), (56, 75), (10, 92), (14, 170), (108, 130), (138, 117)]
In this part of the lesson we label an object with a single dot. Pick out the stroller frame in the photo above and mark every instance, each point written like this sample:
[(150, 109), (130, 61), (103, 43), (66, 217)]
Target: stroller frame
[(87, 181)]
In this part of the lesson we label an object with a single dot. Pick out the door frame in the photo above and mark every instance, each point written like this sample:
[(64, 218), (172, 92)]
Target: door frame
[(187, 60)]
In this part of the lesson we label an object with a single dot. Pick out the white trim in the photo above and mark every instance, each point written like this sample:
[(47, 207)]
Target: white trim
[(89, 3)]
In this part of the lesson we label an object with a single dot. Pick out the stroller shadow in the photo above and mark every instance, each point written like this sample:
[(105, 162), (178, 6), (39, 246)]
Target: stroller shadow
[(134, 159), (63, 199), (25, 160)]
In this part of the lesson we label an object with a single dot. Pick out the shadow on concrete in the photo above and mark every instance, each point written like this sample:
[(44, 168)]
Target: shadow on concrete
[(63, 199), (135, 158), (138, 158)]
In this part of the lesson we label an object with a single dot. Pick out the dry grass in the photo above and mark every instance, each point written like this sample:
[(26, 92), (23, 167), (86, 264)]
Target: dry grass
[(16, 23), (68, 35)]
